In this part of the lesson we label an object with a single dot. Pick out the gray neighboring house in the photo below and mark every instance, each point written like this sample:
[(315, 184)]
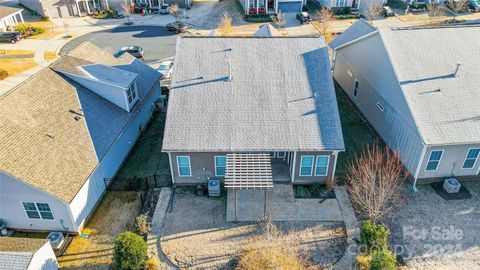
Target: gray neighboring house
[(251, 96), (420, 92), (358, 4), (26, 254)]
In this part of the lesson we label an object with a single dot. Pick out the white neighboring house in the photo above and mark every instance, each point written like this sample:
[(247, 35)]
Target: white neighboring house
[(10, 17), (66, 129), (26, 254)]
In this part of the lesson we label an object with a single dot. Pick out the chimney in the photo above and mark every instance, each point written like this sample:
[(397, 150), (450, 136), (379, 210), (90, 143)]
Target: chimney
[(457, 69), (229, 70)]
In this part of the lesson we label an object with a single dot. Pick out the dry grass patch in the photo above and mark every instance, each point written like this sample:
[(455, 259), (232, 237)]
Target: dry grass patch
[(49, 56), (50, 29), (115, 214), (16, 61)]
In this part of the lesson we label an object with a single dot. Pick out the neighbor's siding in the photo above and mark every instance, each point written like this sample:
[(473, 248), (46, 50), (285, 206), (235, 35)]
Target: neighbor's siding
[(44, 259), (450, 164), (14, 191), (368, 62), (86, 199), (314, 179)]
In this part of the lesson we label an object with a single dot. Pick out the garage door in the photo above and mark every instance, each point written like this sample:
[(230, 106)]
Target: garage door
[(290, 6)]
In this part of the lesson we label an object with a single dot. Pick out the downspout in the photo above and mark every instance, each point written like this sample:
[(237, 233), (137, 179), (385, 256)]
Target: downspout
[(417, 171), (294, 165), (171, 168)]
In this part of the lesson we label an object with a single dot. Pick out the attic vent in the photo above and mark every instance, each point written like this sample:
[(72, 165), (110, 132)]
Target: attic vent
[(50, 135)]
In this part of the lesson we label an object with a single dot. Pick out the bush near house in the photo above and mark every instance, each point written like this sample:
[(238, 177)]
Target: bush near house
[(257, 18), (28, 30), (3, 74), (142, 225), (130, 251), (383, 261), (348, 16), (374, 248)]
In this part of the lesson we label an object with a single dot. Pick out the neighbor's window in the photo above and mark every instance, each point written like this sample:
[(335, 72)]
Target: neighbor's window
[(220, 165), (183, 164), (281, 154), (434, 160), (355, 88), (306, 166), (37, 210), (131, 93), (471, 158), (321, 165)]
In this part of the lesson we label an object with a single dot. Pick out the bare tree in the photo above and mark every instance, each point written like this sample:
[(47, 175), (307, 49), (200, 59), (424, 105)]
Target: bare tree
[(375, 183), (434, 11), (457, 6), (371, 12), (279, 19), (175, 11), (226, 26), (325, 18), (127, 9)]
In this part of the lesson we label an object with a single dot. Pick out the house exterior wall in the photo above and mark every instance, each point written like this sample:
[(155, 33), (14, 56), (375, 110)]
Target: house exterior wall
[(450, 164), (313, 178), (368, 62), (44, 259), (13, 192), (88, 196)]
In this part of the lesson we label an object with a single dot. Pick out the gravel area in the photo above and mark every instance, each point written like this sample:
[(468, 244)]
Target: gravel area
[(432, 233), (196, 235)]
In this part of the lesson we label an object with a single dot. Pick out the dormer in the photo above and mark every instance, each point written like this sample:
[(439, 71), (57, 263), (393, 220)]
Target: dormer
[(115, 85)]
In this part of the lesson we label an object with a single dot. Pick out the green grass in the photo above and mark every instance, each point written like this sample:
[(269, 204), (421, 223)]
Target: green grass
[(30, 235), (356, 133), (146, 158)]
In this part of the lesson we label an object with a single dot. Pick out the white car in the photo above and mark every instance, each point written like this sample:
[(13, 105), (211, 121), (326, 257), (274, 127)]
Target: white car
[(165, 69)]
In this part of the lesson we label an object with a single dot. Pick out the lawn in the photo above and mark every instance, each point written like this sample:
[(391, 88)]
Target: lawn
[(115, 214), (146, 158), (356, 133), (48, 26), (16, 61), (49, 56)]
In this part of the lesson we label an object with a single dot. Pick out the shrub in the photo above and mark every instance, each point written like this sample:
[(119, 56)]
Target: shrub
[(3, 74), (303, 192), (142, 225), (153, 263), (130, 251), (374, 237), (258, 18), (364, 262), (28, 30), (383, 261), (348, 16)]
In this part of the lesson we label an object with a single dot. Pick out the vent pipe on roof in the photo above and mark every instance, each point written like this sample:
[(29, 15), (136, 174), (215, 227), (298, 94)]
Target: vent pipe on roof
[(229, 70), (457, 69)]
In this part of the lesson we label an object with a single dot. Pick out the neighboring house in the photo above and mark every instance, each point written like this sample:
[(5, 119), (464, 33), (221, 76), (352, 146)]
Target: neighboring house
[(26, 254), (68, 8), (272, 6), (358, 4), (64, 130), (234, 97), (419, 91), (10, 17)]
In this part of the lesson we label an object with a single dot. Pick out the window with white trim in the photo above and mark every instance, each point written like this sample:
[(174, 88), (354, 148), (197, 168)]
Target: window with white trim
[(281, 154), (306, 165), (272, 154), (355, 88), (321, 165), (183, 164), (220, 165), (37, 210), (434, 160), (132, 93), (471, 158)]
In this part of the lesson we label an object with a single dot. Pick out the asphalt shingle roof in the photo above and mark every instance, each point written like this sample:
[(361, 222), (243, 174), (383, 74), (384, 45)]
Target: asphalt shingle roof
[(16, 253), (359, 29), (281, 96)]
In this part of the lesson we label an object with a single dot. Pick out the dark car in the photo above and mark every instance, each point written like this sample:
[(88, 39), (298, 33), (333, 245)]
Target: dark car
[(164, 9), (178, 27), (387, 12), (303, 17), (136, 51), (474, 5), (118, 15), (11, 37)]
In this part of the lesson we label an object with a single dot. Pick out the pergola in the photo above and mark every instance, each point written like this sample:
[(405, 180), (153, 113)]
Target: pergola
[(249, 171), (8, 17)]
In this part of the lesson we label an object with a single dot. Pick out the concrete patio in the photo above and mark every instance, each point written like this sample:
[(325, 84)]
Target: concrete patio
[(281, 206)]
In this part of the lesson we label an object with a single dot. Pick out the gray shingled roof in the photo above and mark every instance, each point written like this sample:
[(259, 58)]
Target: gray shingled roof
[(15, 260), (16, 253), (109, 75), (359, 29), (267, 30), (446, 108), (281, 96)]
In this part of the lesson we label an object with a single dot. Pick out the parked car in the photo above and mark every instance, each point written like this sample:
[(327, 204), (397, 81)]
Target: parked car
[(178, 27), (136, 51), (165, 69), (118, 15), (474, 5), (164, 9), (303, 17), (11, 37), (387, 12)]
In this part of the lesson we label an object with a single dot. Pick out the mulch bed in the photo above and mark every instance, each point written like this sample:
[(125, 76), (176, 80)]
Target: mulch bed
[(312, 192), (463, 194)]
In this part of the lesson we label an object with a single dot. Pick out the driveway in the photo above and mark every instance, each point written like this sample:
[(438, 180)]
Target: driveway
[(432, 233), (294, 28)]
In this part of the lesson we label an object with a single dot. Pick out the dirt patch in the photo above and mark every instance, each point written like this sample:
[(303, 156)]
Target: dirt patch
[(196, 235), (115, 214)]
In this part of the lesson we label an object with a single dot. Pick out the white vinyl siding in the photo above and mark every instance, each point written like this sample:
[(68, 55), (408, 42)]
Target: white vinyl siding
[(183, 164), (37, 210), (471, 158), (306, 165), (321, 165), (434, 160), (220, 165)]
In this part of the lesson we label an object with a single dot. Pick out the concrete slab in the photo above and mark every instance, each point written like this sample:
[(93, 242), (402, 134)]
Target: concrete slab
[(281, 206)]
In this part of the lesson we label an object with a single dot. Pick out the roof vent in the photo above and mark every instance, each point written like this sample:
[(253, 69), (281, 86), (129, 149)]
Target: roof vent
[(50, 135), (457, 69)]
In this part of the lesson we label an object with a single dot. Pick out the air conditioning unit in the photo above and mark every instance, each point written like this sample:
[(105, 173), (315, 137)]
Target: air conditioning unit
[(451, 185), (214, 187), (56, 239)]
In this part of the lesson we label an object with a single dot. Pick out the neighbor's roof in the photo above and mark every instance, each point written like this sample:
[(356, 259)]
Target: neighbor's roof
[(281, 96), (109, 75), (42, 142), (267, 30), (16, 253), (446, 108), (6, 11), (359, 29)]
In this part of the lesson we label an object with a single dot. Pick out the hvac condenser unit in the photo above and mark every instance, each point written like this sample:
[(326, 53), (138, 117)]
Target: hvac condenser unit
[(451, 185)]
